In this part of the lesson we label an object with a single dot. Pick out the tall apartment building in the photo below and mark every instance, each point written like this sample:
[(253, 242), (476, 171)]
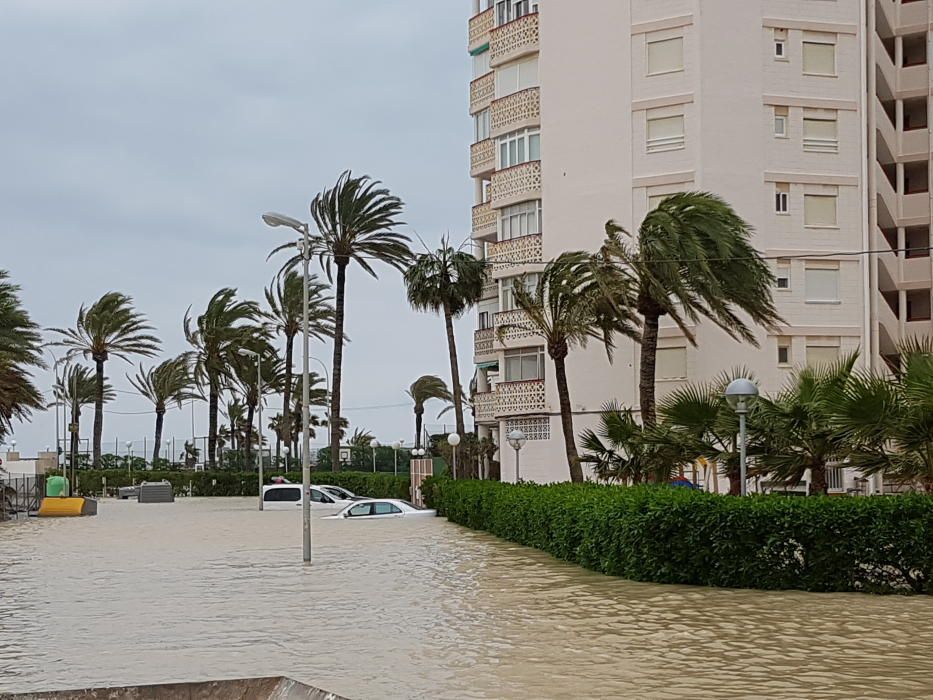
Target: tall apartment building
[(810, 117)]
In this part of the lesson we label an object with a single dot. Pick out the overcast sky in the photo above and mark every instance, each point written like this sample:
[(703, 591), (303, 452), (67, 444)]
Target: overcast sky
[(142, 140)]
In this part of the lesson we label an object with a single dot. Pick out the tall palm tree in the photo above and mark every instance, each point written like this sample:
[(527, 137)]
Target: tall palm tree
[(356, 220), (285, 301), (317, 396), (693, 258), (77, 388), (168, 382), (109, 326), (566, 309), (227, 325), (422, 390), (361, 438), (447, 282), (235, 413), (246, 382), (20, 345)]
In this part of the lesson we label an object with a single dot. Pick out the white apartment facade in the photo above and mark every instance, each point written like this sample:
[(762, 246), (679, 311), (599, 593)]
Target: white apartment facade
[(810, 117)]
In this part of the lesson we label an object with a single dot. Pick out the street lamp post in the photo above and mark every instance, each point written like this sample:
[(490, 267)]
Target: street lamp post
[(245, 352), (454, 440), (396, 446), (58, 453), (741, 394), (169, 443), (304, 248), (375, 445), (129, 458), (286, 449), (517, 441)]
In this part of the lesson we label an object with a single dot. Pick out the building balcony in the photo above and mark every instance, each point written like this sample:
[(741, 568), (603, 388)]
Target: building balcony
[(912, 14), (490, 288), (484, 344), (482, 90), (913, 80), (520, 398), (484, 407), (485, 221), (514, 40), (513, 329), (915, 208), (482, 158), (885, 64), (480, 26), (516, 184), (885, 129), (508, 255), (915, 145), (520, 110)]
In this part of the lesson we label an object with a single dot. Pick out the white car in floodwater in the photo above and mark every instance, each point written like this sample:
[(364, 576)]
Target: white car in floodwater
[(288, 497), (373, 508)]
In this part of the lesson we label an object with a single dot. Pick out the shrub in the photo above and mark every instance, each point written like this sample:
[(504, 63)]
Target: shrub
[(669, 535), (239, 483)]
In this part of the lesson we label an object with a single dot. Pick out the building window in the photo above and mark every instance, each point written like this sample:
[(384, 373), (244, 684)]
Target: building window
[(519, 147), (481, 63), (520, 220), (783, 351), (508, 289), (820, 134), (481, 126), (524, 365), (780, 44), (516, 76), (485, 320), (665, 133), (822, 355), (782, 274), (780, 122), (509, 10), (822, 284), (665, 56), (819, 210), (781, 198), (819, 58), (671, 363), (654, 200)]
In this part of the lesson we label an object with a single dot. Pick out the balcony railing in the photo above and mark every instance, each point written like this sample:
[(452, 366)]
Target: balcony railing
[(482, 157), (515, 252), (520, 110), (519, 327), (484, 344), (520, 398), (480, 26), (482, 90), (514, 39), (515, 184), (485, 220), (484, 406)]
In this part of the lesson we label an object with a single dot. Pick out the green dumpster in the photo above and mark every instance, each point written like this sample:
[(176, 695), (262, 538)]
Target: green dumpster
[(56, 486)]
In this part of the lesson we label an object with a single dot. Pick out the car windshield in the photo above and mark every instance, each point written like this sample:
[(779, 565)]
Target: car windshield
[(411, 505), (338, 492)]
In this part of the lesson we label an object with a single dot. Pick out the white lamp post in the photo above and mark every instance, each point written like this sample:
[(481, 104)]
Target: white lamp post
[(396, 446), (245, 352), (286, 450), (129, 457), (375, 445), (454, 440), (741, 395), (304, 248), (168, 444), (517, 441)]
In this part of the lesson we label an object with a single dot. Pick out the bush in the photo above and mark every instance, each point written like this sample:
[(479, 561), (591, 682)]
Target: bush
[(230, 483), (668, 535)]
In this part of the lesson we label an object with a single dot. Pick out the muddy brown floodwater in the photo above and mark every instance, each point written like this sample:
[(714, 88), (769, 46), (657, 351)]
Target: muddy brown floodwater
[(211, 589)]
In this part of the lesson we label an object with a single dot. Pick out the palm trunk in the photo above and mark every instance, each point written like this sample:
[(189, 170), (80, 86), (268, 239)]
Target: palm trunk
[(818, 483), (98, 410), (649, 354), (735, 480), (160, 419), (75, 436), (454, 371), (337, 370), (287, 390), (419, 414), (566, 419), (212, 408), (250, 410)]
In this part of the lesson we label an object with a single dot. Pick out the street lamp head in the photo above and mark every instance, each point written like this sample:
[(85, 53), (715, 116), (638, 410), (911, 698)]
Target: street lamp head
[(273, 219), (375, 444), (516, 439), (286, 450), (128, 444), (396, 445), (246, 352), (453, 439), (741, 394)]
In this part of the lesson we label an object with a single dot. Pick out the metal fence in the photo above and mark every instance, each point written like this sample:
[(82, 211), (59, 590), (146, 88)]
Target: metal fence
[(20, 496)]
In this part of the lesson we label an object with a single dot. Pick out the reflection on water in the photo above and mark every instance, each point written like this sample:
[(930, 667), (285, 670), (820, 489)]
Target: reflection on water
[(205, 589)]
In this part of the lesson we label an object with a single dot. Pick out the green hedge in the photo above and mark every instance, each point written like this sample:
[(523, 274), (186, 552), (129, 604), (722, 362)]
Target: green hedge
[(881, 544), (231, 483)]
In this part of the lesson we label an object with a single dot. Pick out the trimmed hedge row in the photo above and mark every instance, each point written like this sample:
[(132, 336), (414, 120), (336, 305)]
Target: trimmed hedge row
[(882, 544), (230, 483)]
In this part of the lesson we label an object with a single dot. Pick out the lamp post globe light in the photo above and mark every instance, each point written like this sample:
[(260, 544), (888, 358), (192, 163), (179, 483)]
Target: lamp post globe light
[(517, 441), (741, 395), (454, 440), (375, 445), (129, 457), (286, 449), (304, 249)]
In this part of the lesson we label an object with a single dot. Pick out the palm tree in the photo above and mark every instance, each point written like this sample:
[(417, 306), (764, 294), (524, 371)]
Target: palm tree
[(110, 326), (421, 391), (448, 282), (285, 301), (20, 345), (361, 438), (693, 258), (77, 388), (317, 396), (801, 422), (246, 381), (566, 309), (227, 325), (356, 221), (169, 382)]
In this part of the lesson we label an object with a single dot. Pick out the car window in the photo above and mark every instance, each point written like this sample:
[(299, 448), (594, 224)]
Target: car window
[(385, 509), (336, 492), (279, 495), (320, 497), (360, 510)]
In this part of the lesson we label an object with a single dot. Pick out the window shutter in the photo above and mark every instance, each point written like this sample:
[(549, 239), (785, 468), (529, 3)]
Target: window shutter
[(665, 133), (821, 355), (665, 56), (822, 284), (819, 59), (819, 210), (671, 363)]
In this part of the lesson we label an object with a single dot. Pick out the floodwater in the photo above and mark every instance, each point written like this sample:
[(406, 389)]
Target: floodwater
[(210, 589)]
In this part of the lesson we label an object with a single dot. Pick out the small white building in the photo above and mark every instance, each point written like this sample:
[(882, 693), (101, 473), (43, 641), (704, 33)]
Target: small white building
[(15, 466)]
